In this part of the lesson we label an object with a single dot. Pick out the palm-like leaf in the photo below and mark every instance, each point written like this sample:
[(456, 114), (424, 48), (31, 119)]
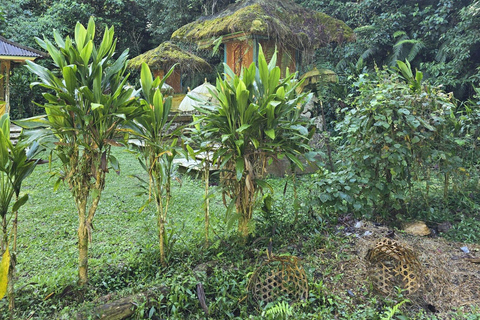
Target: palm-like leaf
[(257, 117), (88, 100)]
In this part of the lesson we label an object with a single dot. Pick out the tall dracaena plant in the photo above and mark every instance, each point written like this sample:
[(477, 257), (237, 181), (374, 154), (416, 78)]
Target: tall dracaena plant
[(87, 100), (158, 146), (257, 118), (16, 165)]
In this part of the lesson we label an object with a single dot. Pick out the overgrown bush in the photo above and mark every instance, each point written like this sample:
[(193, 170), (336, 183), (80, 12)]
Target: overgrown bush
[(397, 132)]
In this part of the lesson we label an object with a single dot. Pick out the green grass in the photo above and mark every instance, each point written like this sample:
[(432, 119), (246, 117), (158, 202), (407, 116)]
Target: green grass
[(124, 254)]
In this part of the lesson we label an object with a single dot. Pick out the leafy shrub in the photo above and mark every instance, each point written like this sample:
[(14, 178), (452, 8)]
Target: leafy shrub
[(396, 129), (258, 116)]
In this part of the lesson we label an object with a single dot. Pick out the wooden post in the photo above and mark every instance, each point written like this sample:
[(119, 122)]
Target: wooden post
[(7, 87), (2, 88)]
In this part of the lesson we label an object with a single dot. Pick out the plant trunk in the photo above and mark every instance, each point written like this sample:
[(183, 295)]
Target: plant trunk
[(161, 238), (82, 189), (4, 239), (207, 198), (13, 263), (327, 139), (243, 226), (82, 251), (244, 206), (445, 187), (11, 281), (161, 213)]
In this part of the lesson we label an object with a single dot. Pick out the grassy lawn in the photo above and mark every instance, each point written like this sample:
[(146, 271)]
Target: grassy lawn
[(124, 256)]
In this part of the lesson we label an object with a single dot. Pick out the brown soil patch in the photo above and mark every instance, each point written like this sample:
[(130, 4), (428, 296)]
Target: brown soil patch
[(450, 277)]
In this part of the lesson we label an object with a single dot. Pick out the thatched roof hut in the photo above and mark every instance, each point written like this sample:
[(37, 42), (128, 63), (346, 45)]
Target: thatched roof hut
[(281, 20), (166, 55), (163, 57)]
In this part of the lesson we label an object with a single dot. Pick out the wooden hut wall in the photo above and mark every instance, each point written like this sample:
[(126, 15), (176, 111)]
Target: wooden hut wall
[(286, 56), (175, 79), (239, 54)]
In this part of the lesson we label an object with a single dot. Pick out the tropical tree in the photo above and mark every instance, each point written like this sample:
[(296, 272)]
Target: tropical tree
[(86, 101), (16, 164), (158, 147), (257, 118)]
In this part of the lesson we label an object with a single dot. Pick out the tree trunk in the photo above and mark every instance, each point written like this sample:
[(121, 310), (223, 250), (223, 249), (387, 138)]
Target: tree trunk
[(82, 251), (13, 263), (207, 198), (161, 238), (244, 206), (4, 239), (11, 281), (445, 187), (243, 225)]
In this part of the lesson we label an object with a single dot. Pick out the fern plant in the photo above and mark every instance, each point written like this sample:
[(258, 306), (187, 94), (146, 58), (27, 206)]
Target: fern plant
[(405, 48), (281, 310), (392, 311)]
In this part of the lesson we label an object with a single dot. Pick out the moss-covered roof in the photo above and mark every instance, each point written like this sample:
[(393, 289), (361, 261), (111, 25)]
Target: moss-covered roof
[(282, 20), (166, 55)]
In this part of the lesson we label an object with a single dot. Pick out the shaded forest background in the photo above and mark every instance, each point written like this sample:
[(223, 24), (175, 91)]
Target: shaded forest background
[(439, 37)]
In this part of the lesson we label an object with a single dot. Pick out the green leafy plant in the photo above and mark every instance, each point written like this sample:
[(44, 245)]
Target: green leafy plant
[(204, 148), (280, 310), (87, 101), (413, 80), (158, 149), (257, 118), (405, 48), (16, 164), (397, 128), (390, 312)]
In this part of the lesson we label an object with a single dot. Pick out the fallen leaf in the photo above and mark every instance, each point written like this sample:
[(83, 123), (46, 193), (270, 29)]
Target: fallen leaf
[(4, 265)]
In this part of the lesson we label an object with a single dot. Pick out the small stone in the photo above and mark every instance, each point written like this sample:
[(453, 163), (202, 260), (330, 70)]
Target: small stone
[(444, 226), (465, 249), (418, 228)]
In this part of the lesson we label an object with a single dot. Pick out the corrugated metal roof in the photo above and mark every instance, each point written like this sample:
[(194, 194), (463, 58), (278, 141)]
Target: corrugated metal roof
[(12, 49)]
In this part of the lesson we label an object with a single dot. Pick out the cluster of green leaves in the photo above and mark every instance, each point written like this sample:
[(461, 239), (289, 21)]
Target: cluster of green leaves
[(86, 101), (16, 164), (258, 116), (90, 100), (440, 37), (158, 146), (397, 128), (27, 19)]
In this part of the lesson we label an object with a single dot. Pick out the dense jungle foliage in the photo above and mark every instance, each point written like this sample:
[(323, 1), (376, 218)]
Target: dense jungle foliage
[(440, 37)]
